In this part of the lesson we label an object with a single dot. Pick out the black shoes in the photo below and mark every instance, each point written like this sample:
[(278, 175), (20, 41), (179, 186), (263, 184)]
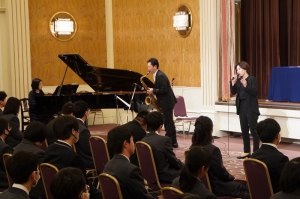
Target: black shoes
[(175, 145), (243, 156)]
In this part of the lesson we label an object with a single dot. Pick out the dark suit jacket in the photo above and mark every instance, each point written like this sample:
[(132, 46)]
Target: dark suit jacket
[(51, 138), (163, 91), (83, 145), (14, 193), (282, 195), (1, 112), (167, 165), (129, 177), (15, 135), (4, 148), (138, 133), (27, 145), (251, 94), (221, 181), (62, 155), (275, 161)]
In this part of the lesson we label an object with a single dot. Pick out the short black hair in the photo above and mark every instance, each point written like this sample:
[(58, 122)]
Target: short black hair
[(12, 106), (116, 138), (154, 120), (80, 107), (35, 84), (196, 158), (68, 183), (3, 125), (154, 62), (21, 165), (244, 65), (2, 95), (63, 126), (267, 130), (140, 117), (68, 108), (290, 176), (35, 132)]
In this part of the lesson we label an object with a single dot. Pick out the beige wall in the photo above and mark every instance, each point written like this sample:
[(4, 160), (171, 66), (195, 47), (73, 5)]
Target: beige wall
[(144, 29), (141, 29), (89, 41)]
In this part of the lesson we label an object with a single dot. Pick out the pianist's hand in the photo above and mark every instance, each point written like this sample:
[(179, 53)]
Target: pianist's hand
[(150, 91)]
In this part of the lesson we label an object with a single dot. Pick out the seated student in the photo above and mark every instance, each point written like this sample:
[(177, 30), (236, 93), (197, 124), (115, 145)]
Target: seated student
[(4, 148), (23, 168), (67, 109), (268, 132), (34, 136), (196, 165), (82, 112), (2, 101), (129, 176), (69, 183), (61, 153), (138, 130), (167, 165), (10, 113), (289, 181), (221, 181)]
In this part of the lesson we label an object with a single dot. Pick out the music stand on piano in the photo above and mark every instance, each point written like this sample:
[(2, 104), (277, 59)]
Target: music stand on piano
[(67, 89)]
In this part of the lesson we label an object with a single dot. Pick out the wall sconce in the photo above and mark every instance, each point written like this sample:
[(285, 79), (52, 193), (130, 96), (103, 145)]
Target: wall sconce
[(63, 26), (182, 21)]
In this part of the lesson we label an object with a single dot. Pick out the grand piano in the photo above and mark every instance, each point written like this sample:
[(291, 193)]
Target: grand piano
[(111, 86)]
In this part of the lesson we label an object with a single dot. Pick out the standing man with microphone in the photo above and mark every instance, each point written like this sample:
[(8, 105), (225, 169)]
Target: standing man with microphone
[(245, 86), (165, 98)]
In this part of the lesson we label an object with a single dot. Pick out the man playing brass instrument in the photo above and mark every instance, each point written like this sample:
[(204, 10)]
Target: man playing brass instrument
[(165, 98)]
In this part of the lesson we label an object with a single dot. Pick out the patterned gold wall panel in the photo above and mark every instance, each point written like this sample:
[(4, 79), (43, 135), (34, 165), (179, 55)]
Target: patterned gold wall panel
[(89, 41), (144, 29)]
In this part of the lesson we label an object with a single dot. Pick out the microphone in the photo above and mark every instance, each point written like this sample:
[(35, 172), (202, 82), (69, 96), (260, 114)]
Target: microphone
[(237, 76), (140, 87)]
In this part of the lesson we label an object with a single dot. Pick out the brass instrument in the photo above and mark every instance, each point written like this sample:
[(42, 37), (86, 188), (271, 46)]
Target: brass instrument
[(150, 99)]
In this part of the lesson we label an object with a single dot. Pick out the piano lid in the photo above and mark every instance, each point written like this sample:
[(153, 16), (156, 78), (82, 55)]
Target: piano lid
[(103, 79)]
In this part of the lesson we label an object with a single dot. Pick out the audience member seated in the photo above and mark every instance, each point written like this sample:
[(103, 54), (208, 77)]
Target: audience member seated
[(120, 142), (2, 100), (138, 130), (10, 113), (268, 131), (37, 86), (61, 154), (4, 148), (33, 137), (289, 181), (69, 183), (196, 165), (221, 181), (23, 168), (82, 112), (167, 165), (67, 109)]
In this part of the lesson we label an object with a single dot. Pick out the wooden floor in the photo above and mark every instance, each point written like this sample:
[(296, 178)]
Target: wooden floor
[(230, 147)]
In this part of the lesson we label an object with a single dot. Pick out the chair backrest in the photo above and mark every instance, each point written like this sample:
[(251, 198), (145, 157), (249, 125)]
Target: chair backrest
[(5, 157), (170, 192), (147, 163), (25, 118), (110, 187), (48, 171), (205, 180), (99, 152), (258, 179), (44, 145), (179, 108)]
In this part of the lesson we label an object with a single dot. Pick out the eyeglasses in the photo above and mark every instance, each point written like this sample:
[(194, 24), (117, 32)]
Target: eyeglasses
[(38, 172), (86, 191)]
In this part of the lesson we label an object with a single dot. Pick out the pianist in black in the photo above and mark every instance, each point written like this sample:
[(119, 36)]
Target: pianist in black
[(81, 112), (37, 86)]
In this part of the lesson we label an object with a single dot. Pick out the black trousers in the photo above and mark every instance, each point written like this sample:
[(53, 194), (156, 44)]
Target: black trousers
[(248, 120), (169, 125)]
